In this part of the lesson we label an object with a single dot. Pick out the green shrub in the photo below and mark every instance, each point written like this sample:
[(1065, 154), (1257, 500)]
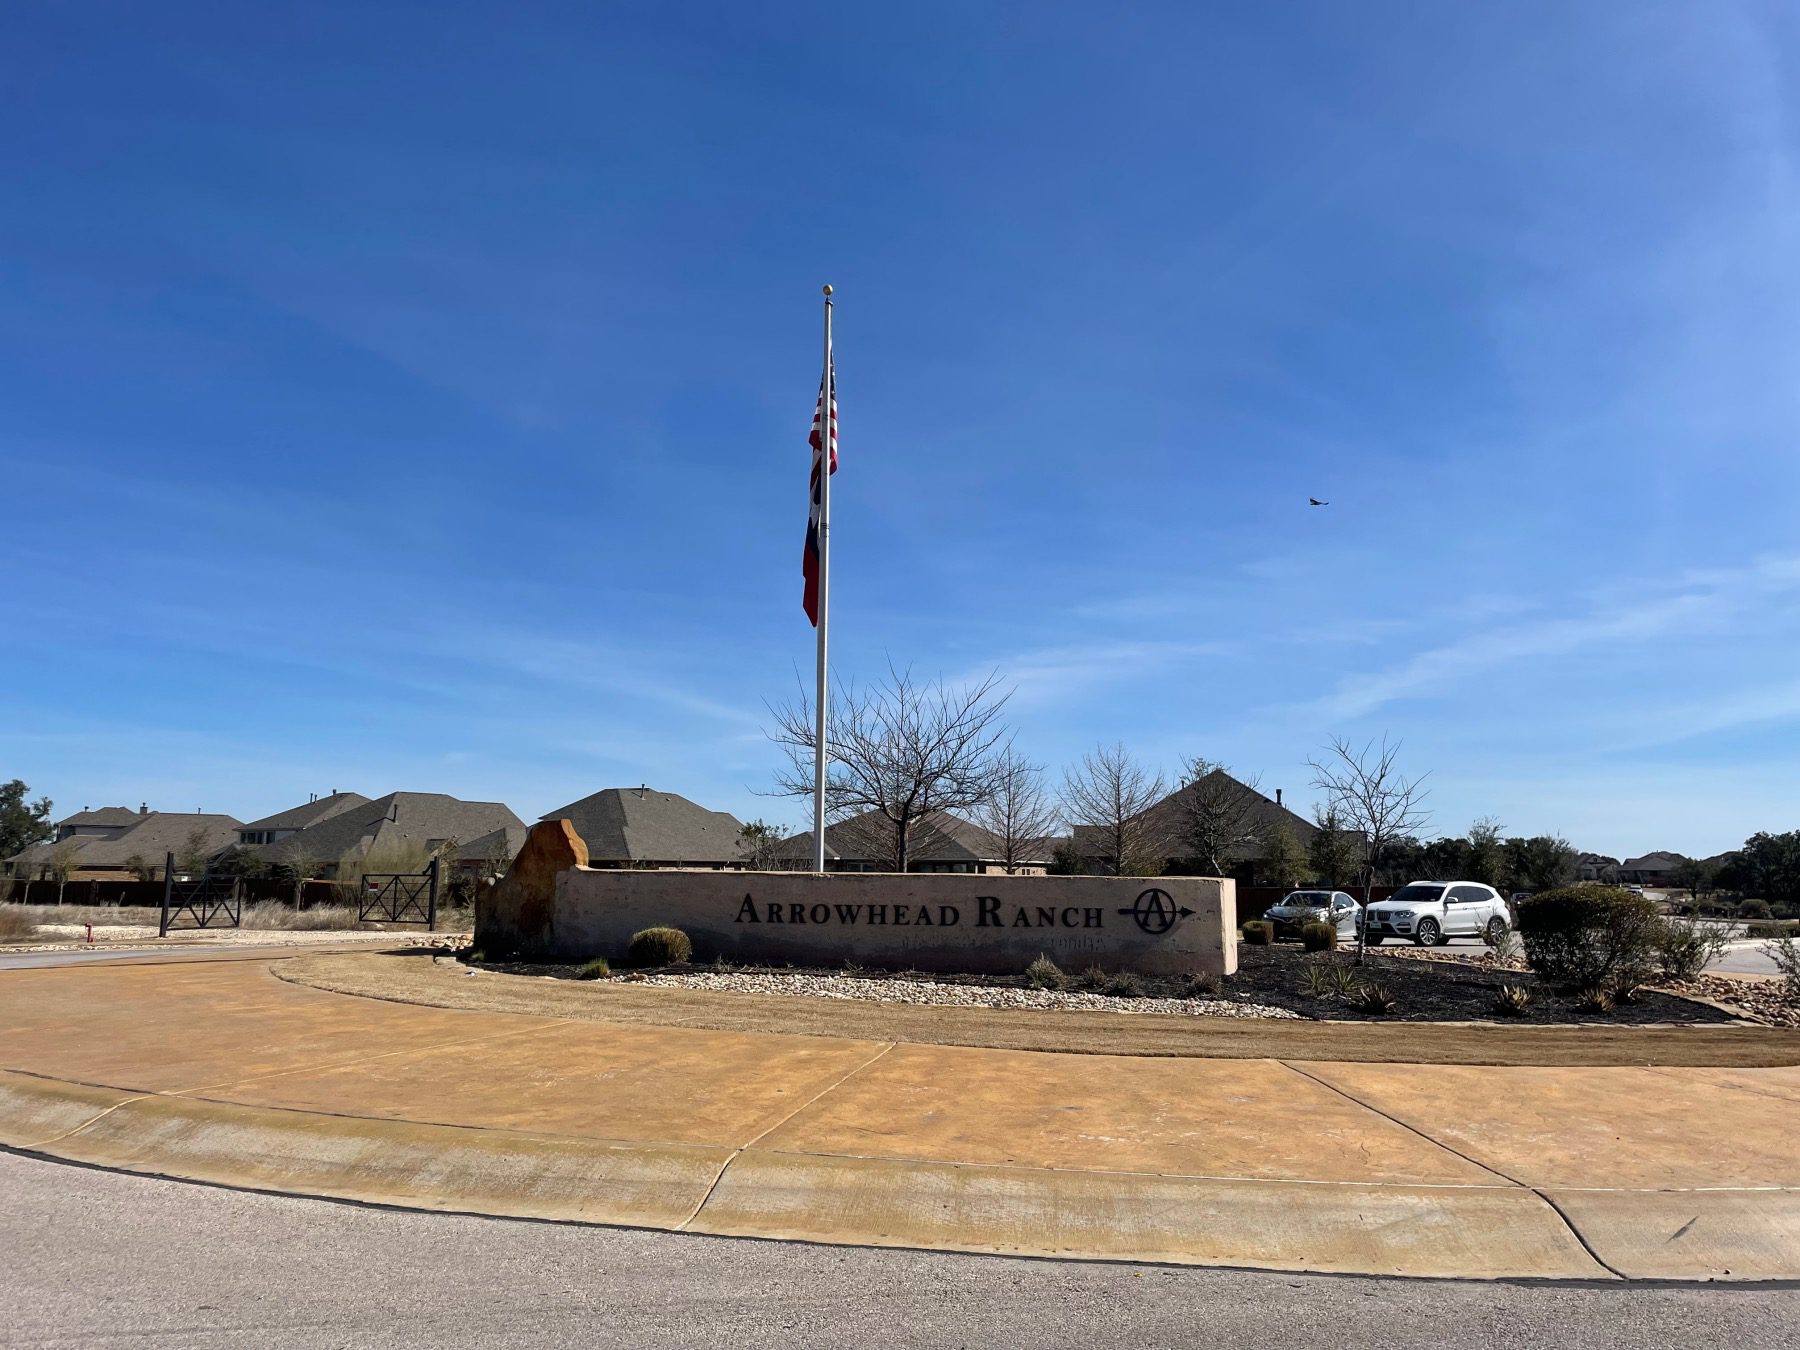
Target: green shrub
[(1785, 953), (1685, 947), (1754, 909), (1319, 937), (1093, 980), (1375, 998), (1043, 973), (1512, 1000), (597, 969), (1259, 933), (1590, 936), (1202, 986), (1770, 931), (474, 956), (1125, 985), (659, 947)]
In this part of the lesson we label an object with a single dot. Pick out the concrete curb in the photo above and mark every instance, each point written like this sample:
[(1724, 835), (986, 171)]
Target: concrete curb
[(1465, 1231)]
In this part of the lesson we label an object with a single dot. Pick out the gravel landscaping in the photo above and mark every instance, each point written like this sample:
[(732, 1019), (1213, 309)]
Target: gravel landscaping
[(948, 995)]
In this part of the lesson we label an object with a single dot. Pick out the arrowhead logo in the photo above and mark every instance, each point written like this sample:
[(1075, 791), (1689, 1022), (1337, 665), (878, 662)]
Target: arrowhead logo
[(1156, 911)]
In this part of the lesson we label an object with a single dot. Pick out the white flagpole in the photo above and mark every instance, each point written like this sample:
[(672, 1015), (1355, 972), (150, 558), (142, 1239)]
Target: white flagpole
[(827, 397)]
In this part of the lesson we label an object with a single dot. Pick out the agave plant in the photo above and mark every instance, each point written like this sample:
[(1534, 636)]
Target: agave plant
[(1594, 1001), (1343, 979), (1375, 998), (1317, 981), (1513, 1000)]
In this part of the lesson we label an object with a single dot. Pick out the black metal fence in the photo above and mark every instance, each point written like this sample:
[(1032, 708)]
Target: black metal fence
[(204, 900), (400, 897)]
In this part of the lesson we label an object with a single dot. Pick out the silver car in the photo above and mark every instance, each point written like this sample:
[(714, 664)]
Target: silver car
[(1299, 908)]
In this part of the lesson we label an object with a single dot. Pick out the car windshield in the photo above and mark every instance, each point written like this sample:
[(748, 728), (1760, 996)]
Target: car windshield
[(1310, 899), (1416, 894)]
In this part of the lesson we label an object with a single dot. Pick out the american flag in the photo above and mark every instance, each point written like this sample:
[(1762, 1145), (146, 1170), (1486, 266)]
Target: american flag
[(810, 565)]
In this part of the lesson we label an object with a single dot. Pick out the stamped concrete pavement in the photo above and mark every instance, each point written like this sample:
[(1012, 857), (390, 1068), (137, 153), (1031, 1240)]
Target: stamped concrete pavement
[(218, 1071)]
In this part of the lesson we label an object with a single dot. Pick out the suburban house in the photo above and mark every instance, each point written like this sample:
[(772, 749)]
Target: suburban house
[(491, 854), (273, 829), (1166, 828), (1656, 870), (104, 823), (642, 827), (937, 842), (111, 844), (400, 830), (1596, 867)]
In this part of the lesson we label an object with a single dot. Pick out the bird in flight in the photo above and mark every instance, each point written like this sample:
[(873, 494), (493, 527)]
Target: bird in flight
[(1314, 501)]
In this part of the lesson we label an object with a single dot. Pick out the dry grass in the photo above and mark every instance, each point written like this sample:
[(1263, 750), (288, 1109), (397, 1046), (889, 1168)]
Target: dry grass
[(272, 914), (416, 978), (16, 925), (101, 916)]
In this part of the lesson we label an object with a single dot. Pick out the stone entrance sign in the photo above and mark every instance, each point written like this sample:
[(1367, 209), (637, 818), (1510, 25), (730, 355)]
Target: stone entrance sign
[(979, 924)]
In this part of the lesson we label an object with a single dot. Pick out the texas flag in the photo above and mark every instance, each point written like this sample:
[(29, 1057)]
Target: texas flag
[(815, 514)]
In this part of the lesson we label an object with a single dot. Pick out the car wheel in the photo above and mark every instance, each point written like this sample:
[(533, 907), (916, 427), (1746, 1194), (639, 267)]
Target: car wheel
[(1373, 940), (1496, 930), (1428, 934)]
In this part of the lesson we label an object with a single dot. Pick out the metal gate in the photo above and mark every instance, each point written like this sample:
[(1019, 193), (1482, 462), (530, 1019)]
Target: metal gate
[(203, 901), (400, 897)]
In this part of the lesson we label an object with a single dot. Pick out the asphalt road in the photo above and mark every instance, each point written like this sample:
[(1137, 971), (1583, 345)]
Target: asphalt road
[(100, 1259), (1746, 958)]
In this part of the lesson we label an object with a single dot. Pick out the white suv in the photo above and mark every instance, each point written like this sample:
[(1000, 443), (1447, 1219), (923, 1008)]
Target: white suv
[(1430, 912)]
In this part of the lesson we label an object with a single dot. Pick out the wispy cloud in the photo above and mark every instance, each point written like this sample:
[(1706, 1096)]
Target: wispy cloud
[(1697, 602)]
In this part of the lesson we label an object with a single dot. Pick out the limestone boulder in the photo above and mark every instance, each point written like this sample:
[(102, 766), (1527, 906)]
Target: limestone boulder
[(518, 915)]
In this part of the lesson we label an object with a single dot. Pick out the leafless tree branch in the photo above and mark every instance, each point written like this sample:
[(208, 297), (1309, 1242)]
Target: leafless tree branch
[(1021, 814), (1367, 790), (903, 748), (1109, 792)]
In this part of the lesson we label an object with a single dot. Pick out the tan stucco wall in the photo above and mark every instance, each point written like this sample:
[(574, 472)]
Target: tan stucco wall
[(987, 924)]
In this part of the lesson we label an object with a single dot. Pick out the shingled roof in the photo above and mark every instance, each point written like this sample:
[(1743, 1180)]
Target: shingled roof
[(153, 836), (937, 837), (110, 816), (398, 821), (1166, 821), (309, 813), (643, 825)]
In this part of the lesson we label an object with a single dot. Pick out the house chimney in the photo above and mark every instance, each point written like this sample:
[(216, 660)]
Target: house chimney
[(1278, 796), (143, 808)]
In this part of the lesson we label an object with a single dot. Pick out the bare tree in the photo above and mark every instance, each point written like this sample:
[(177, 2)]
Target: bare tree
[(1221, 816), (904, 749), (1367, 789), (1021, 814), (1105, 798), (64, 854)]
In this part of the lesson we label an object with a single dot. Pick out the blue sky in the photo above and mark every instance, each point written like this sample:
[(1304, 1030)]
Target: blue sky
[(414, 396)]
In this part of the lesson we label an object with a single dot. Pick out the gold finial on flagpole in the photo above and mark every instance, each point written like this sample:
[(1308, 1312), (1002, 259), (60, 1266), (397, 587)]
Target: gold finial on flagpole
[(828, 289)]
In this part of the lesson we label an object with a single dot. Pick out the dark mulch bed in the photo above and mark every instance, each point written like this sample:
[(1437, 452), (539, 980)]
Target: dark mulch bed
[(1439, 991)]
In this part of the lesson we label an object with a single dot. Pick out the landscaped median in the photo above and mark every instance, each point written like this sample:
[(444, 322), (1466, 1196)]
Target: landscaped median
[(222, 1072)]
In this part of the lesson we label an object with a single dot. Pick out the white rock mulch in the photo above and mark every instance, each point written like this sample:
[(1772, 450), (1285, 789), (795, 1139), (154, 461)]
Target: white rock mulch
[(953, 995)]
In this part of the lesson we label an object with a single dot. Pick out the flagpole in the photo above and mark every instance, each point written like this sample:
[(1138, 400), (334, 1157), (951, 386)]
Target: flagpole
[(827, 396)]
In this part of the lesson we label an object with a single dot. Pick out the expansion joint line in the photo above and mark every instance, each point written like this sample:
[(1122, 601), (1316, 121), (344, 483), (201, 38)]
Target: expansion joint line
[(1549, 1200), (91, 1120), (738, 1152)]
